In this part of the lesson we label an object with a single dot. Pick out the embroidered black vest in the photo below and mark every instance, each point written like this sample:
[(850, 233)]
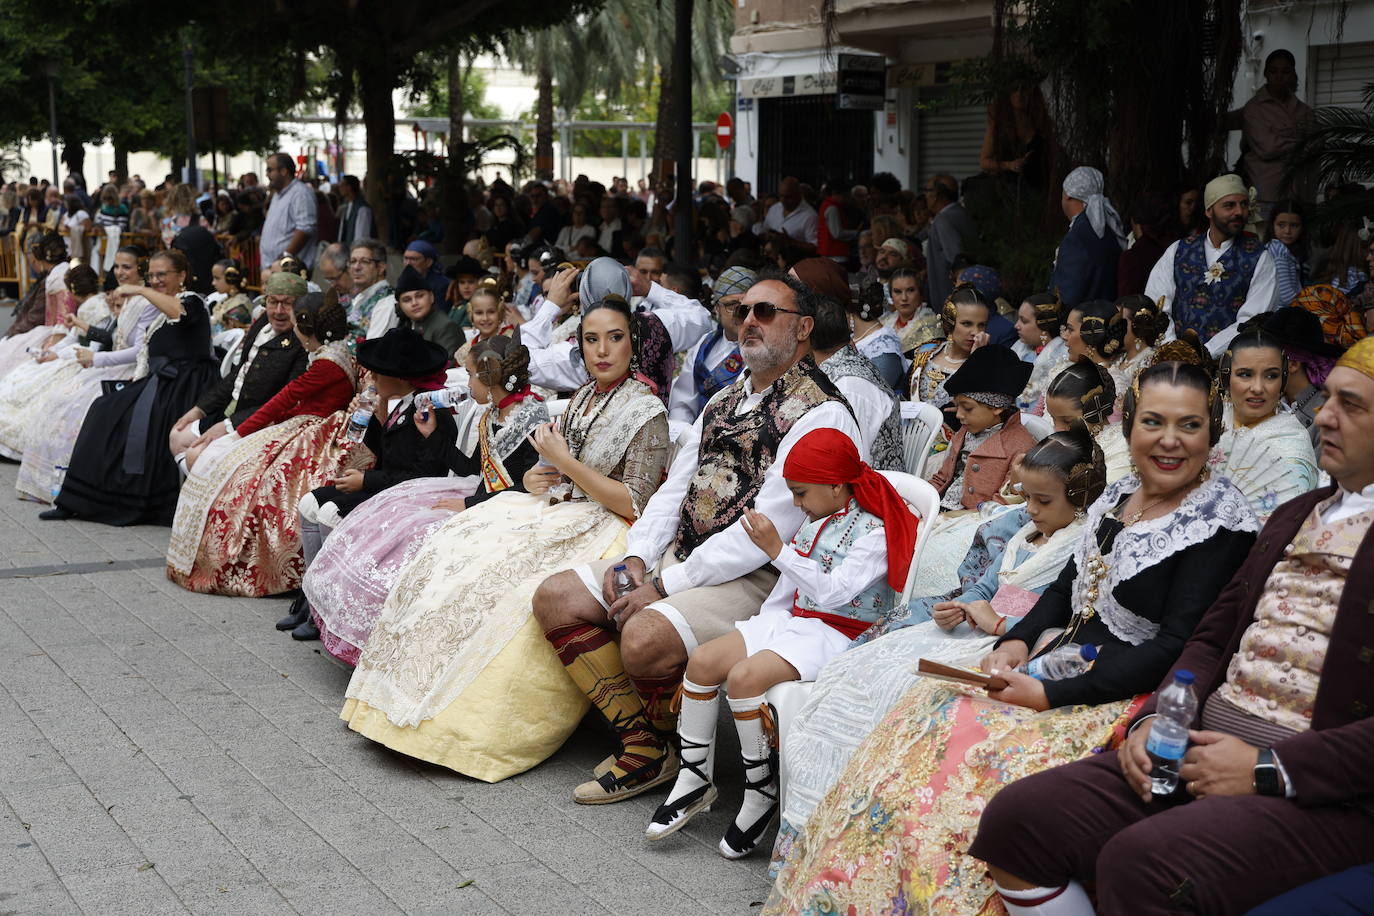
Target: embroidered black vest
[(737, 450)]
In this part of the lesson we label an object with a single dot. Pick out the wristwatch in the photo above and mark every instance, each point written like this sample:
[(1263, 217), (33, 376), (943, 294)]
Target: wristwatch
[(1267, 780)]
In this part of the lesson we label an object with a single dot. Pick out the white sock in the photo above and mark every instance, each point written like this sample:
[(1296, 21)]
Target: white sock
[(696, 726), (1069, 900), (755, 747)]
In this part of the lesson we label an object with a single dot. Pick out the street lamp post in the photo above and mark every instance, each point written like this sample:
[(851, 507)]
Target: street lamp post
[(189, 54), (50, 69)]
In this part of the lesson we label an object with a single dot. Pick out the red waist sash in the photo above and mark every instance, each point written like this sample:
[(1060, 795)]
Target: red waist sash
[(846, 625)]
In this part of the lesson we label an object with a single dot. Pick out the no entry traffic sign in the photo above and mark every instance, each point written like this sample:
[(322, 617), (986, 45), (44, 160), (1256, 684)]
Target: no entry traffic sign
[(725, 130)]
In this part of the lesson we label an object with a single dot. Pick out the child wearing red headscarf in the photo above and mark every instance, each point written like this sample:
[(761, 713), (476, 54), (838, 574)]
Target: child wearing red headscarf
[(839, 576)]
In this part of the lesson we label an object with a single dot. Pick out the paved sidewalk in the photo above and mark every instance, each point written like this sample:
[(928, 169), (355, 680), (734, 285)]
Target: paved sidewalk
[(165, 752)]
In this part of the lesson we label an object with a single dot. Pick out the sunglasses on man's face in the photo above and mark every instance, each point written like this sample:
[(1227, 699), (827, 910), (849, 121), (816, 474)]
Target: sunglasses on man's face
[(764, 312)]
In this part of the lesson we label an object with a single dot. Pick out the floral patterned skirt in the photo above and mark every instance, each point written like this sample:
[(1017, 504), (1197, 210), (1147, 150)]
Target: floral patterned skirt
[(348, 581), (236, 530), (892, 835)]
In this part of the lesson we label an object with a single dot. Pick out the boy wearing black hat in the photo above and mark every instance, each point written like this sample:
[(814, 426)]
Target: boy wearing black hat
[(416, 309), (403, 365), (991, 436)]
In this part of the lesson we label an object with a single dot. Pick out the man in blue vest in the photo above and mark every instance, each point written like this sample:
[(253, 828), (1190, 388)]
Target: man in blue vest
[(1214, 280), (715, 361)]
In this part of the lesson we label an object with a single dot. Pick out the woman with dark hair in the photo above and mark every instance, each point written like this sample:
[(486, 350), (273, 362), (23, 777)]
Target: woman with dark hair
[(456, 670), (874, 339), (964, 320), (909, 320), (233, 533), (1086, 392), (1097, 330), (1018, 138), (47, 447), (1265, 451), (1050, 359), (1154, 551), (122, 472), (347, 582), (1145, 324), (1027, 547), (1286, 231)]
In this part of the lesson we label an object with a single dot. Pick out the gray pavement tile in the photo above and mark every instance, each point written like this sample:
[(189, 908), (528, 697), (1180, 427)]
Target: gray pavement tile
[(72, 829), (126, 890), (148, 724)]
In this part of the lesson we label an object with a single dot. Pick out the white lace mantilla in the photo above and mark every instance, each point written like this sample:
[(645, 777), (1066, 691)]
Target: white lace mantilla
[(631, 405), (1215, 505)]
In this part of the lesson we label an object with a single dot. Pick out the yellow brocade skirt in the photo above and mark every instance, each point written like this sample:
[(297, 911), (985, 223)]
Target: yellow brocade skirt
[(457, 671)]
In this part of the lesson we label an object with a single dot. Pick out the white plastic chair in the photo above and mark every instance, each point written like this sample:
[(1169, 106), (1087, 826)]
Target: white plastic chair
[(1039, 427), (921, 425), (788, 697)]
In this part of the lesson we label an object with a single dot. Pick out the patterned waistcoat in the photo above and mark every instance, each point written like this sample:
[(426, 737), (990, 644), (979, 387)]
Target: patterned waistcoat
[(886, 448), (828, 541), (1206, 299), (737, 450), (1275, 672)]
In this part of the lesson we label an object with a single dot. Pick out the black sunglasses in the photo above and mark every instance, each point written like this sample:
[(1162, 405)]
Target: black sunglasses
[(763, 311)]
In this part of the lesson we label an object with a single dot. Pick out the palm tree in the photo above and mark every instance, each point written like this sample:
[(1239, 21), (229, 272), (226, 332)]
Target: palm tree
[(606, 52), (1336, 146)]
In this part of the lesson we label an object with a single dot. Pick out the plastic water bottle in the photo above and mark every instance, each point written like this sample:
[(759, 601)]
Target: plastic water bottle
[(623, 583), (1168, 741), (357, 424), (1066, 661), (61, 470), (445, 397)]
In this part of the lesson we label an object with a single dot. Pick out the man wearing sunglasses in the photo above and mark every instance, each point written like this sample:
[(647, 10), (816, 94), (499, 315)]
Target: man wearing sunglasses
[(695, 569)]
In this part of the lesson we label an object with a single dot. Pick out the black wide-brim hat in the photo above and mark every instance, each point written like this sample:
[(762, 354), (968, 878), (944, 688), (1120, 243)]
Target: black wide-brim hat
[(402, 353), (1294, 326), (990, 368)]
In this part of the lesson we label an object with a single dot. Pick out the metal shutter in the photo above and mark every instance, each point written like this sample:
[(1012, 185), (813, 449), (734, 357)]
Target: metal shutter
[(1338, 74), (806, 136), (949, 139)]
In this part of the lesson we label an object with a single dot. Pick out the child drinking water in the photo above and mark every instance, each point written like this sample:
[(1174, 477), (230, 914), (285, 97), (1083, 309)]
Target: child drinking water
[(838, 578)]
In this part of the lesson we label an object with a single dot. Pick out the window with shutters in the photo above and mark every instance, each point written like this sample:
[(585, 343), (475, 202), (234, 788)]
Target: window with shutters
[(949, 138), (1337, 74)]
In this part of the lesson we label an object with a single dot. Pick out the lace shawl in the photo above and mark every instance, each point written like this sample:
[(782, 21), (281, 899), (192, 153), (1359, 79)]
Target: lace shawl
[(1042, 567), (141, 365), (504, 438), (1215, 505), (611, 433)]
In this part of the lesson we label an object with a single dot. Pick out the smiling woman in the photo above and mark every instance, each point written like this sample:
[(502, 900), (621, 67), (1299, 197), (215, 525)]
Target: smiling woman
[(1265, 452), (1153, 553)]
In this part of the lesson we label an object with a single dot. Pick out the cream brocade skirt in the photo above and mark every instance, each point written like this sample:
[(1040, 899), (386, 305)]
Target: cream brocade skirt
[(457, 671)]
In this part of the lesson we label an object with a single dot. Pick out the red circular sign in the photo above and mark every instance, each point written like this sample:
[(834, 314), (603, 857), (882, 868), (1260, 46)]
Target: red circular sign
[(725, 130)]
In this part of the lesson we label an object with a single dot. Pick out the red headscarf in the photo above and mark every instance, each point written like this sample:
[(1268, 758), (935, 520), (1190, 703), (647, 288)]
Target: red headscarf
[(828, 456)]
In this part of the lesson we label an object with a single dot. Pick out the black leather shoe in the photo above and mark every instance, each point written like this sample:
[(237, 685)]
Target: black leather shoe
[(56, 514), (300, 613), (306, 631)]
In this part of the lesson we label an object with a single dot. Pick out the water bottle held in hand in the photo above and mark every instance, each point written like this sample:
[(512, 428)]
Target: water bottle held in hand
[(1168, 741), (1068, 660), (623, 583), (357, 423)]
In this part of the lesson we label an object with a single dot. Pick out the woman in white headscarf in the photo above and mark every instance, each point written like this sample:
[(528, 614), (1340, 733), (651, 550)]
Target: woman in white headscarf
[(1085, 265)]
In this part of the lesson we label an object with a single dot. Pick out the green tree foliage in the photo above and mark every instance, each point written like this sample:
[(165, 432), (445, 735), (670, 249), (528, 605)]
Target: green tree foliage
[(136, 99)]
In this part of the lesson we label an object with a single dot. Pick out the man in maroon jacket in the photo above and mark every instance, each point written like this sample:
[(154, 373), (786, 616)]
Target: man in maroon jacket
[(1277, 788)]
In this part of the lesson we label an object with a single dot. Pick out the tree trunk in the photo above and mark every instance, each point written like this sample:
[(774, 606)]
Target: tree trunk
[(684, 251), (543, 128), (664, 150), (453, 188), (121, 162), (375, 83)]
